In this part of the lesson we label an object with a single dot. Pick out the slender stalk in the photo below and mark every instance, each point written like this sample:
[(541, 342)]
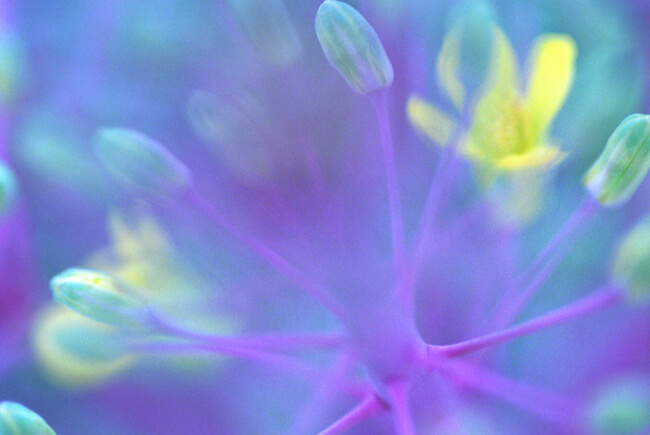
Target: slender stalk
[(398, 393), (321, 400), (276, 341), (585, 211), (576, 310), (379, 100), (369, 407), (547, 405), (448, 166), (284, 364), (512, 303), (268, 255)]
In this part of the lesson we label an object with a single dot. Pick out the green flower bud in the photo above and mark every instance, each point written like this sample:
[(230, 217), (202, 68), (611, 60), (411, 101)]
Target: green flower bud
[(101, 297), (141, 163), (474, 27), (13, 66), (15, 419), (621, 407), (352, 47), (269, 29), (623, 164), (631, 269), (8, 188)]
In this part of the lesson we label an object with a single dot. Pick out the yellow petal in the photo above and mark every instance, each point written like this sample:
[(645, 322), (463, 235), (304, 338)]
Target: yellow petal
[(429, 120), (551, 70), (448, 65), (540, 158)]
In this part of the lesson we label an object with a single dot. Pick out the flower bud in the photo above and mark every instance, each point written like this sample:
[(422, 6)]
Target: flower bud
[(141, 163), (623, 164), (8, 188), (269, 29), (621, 407), (15, 419), (75, 351), (13, 66), (352, 46), (101, 297), (631, 269)]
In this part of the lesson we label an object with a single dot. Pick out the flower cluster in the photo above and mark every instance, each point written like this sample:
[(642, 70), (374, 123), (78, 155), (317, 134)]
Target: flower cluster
[(288, 254)]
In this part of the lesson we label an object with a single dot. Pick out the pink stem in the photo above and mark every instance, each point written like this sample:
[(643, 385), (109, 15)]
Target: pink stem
[(379, 100), (268, 255), (270, 341), (583, 213), (448, 165), (578, 309), (322, 398), (547, 405), (369, 407), (283, 363), (398, 393), (512, 304)]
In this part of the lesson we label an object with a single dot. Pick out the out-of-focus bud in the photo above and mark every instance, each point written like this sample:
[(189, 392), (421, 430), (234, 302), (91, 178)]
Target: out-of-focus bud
[(467, 52), (623, 163), (631, 268), (101, 297), (622, 407), (12, 66), (142, 163), (8, 188), (15, 419), (235, 132), (75, 351), (268, 27), (352, 47)]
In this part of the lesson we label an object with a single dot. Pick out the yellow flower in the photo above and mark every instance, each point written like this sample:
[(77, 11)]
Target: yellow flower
[(510, 122)]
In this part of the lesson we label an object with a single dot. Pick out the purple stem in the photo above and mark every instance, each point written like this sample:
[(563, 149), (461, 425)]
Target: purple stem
[(322, 398), (283, 363), (587, 209), (595, 302), (379, 100), (398, 393), (545, 404), (448, 166), (268, 255), (512, 303), (268, 341), (369, 407)]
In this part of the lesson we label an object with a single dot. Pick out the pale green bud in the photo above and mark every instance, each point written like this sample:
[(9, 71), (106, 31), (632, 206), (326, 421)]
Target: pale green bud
[(142, 163), (631, 269), (15, 419), (623, 163), (474, 22), (8, 188), (13, 66), (268, 27), (621, 408), (101, 297), (352, 47)]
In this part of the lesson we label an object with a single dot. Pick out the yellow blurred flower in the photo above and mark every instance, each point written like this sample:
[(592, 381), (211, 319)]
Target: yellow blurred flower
[(509, 127)]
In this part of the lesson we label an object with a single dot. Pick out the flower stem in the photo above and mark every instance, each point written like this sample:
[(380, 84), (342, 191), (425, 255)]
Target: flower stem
[(379, 100), (585, 211), (547, 405), (398, 393), (322, 399), (268, 255), (590, 304), (369, 407), (448, 166)]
